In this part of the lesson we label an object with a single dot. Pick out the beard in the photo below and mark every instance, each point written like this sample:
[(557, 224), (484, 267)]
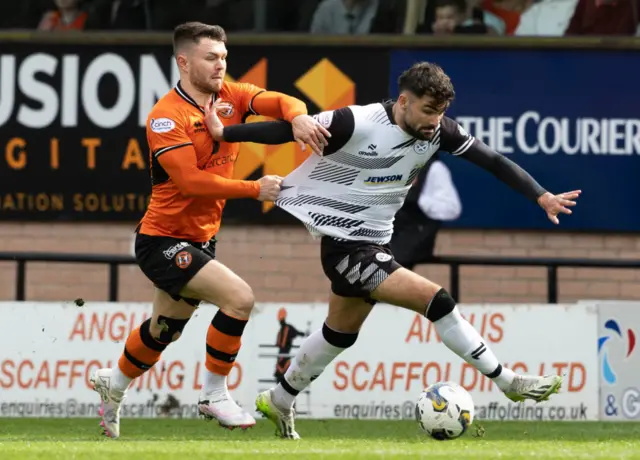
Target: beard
[(418, 134), (205, 85)]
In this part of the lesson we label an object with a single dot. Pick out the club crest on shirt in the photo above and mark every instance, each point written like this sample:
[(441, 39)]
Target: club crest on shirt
[(227, 112), (421, 147)]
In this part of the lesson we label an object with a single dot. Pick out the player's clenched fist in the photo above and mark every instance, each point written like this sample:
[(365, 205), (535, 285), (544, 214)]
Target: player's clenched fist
[(269, 188)]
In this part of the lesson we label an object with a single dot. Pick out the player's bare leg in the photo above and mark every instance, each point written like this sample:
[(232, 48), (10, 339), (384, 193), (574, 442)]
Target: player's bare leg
[(141, 352), (340, 331), (220, 286), (409, 290)]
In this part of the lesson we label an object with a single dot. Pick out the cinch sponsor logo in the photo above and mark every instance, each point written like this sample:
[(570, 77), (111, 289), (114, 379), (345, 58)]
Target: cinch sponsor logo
[(613, 326), (383, 179), (162, 125)]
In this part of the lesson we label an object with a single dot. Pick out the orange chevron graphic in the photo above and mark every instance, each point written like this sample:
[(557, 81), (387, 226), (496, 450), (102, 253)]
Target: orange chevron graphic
[(256, 75)]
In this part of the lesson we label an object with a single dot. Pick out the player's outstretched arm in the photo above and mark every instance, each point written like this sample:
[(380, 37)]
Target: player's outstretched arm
[(182, 167), (264, 132), (339, 124), (458, 142), (282, 106), (518, 179)]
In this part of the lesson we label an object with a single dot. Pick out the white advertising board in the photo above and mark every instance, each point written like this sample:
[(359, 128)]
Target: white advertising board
[(49, 350)]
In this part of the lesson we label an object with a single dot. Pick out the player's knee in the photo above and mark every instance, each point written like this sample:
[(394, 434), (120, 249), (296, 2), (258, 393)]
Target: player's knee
[(440, 305), (241, 302), (167, 330), (338, 339)]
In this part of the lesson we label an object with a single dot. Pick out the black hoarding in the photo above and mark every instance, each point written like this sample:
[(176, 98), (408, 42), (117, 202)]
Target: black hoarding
[(72, 121)]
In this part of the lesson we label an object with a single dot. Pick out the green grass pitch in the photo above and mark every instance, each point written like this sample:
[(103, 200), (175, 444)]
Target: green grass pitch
[(165, 439)]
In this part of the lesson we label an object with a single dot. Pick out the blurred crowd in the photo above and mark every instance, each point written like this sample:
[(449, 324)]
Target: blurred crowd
[(331, 17)]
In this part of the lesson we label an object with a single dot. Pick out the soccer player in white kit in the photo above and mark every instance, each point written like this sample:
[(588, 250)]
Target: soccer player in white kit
[(348, 197)]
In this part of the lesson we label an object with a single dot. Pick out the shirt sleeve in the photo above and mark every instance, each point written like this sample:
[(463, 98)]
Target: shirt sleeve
[(340, 123), (166, 132), (277, 105), (174, 150), (458, 142), (253, 100), (453, 138), (244, 95)]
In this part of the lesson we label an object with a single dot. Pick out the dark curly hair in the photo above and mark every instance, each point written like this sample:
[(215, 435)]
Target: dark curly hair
[(427, 79)]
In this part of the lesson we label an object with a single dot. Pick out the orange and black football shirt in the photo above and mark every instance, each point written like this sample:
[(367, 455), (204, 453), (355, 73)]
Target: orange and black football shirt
[(190, 172)]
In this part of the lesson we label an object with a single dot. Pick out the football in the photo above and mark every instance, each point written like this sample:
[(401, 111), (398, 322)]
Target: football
[(444, 410)]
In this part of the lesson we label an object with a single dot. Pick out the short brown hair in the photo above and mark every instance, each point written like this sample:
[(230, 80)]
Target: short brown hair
[(427, 79), (192, 32)]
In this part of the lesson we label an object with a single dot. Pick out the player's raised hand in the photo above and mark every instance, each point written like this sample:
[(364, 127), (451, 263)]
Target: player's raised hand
[(556, 204), (306, 130), (211, 119), (269, 188)]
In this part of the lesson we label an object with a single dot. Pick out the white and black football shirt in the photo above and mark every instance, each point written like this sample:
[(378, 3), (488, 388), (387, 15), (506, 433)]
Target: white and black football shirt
[(354, 191)]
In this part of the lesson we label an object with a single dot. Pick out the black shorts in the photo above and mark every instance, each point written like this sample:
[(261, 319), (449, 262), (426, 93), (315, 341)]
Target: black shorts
[(170, 263), (356, 268)]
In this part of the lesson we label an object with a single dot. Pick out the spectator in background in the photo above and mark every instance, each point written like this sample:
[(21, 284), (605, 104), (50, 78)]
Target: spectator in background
[(432, 200), (233, 15), (68, 15), (290, 16), (118, 15), (605, 17), (508, 10), (546, 18), (462, 17), (337, 17), (284, 341)]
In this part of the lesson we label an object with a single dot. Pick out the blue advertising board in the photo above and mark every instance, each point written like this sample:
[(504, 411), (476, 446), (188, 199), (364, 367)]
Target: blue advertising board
[(571, 118)]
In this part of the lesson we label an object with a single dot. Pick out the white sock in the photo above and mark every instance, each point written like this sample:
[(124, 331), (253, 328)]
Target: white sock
[(215, 384), (314, 355), (119, 381), (461, 338)]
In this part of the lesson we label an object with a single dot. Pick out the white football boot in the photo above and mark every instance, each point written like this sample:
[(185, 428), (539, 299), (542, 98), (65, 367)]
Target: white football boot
[(111, 401), (221, 407), (533, 387), (284, 420)]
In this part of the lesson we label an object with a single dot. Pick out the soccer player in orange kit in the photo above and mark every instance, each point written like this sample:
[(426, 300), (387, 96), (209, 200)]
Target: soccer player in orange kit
[(191, 176)]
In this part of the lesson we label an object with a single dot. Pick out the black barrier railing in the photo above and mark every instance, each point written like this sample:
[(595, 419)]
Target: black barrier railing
[(21, 259), (454, 262)]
